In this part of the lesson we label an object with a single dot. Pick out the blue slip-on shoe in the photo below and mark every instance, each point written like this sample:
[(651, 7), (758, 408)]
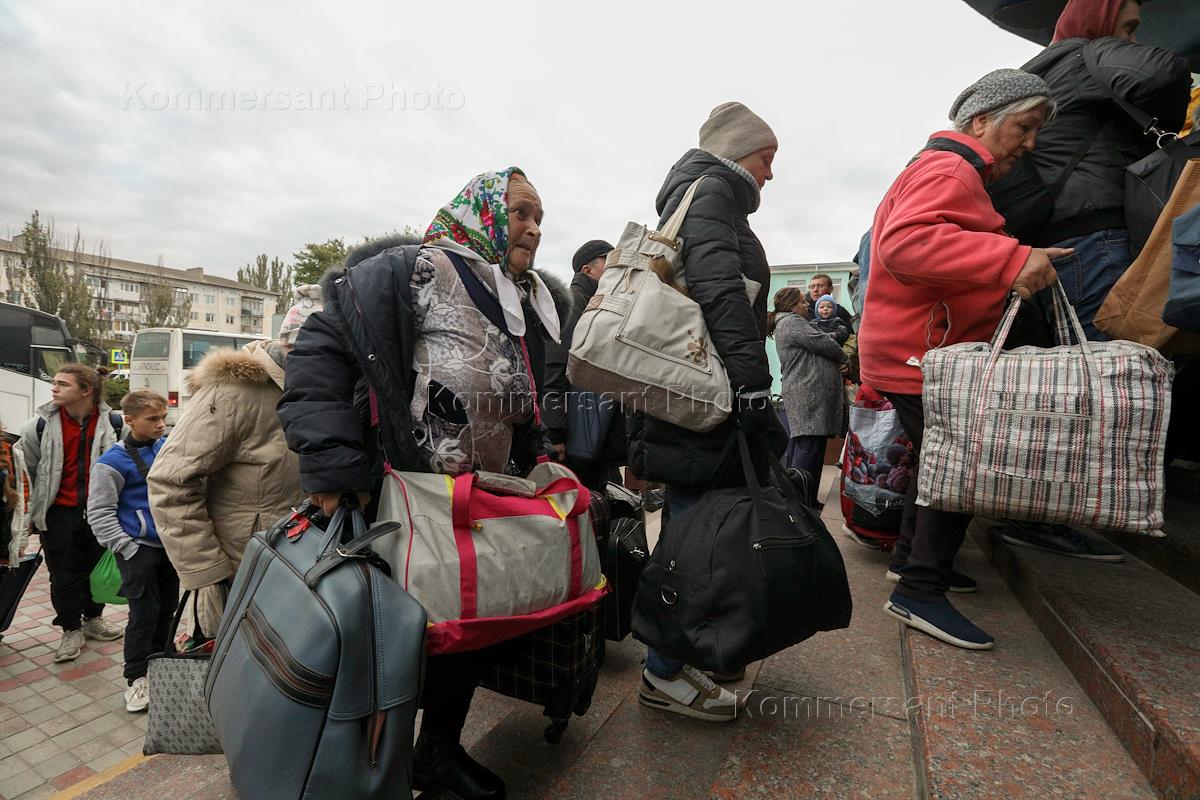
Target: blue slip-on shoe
[(940, 620), (1060, 539)]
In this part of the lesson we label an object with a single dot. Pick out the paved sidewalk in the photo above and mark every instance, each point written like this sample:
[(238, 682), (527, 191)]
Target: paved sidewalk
[(59, 723)]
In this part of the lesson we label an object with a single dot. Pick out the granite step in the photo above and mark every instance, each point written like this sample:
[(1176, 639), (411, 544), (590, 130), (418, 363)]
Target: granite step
[(1010, 722), (1131, 637), (1178, 554)]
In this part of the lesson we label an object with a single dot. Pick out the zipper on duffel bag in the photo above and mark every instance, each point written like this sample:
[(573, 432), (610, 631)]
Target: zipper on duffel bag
[(288, 675), (780, 542)]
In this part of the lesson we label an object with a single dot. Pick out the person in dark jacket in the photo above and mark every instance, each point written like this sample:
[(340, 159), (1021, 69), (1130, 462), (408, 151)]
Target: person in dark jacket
[(1089, 212), (727, 274), (395, 348), (588, 266)]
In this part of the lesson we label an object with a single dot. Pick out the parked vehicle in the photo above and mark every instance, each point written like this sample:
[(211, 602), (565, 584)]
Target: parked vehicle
[(33, 346), (163, 358)]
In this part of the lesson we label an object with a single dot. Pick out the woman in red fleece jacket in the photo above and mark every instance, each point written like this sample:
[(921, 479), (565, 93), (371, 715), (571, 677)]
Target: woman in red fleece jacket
[(941, 268)]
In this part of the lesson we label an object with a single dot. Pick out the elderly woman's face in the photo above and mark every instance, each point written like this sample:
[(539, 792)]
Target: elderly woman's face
[(1009, 139), (524, 223)]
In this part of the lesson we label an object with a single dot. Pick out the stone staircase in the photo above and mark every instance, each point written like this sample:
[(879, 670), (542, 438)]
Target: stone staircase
[(1129, 633)]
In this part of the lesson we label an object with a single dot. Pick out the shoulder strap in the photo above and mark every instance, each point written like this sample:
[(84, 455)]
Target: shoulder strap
[(480, 295), (138, 461), (943, 144), (117, 421), (1148, 124), (41, 428), (675, 222)]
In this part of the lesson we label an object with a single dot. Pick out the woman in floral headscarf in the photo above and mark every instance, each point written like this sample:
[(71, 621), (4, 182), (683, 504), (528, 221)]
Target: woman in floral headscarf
[(428, 357)]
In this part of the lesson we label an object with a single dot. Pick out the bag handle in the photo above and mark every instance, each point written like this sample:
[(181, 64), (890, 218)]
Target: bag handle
[(170, 648), (1062, 309), (675, 222)]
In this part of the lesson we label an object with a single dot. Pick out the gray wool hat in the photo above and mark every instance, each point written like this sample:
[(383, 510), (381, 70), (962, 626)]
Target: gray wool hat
[(733, 131), (996, 90)]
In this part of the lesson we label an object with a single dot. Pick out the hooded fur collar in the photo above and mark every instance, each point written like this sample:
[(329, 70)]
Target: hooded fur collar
[(250, 366)]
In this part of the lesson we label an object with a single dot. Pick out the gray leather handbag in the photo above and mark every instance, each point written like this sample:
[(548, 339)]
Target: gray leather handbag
[(316, 676)]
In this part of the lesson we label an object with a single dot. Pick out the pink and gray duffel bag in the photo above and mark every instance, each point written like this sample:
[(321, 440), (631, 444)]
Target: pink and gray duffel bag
[(491, 556)]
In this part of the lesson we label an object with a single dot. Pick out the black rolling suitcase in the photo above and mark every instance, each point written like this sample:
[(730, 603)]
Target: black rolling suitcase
[(555, 667), (14, 580)]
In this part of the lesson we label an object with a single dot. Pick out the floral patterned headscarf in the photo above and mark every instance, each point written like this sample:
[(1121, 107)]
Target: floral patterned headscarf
[(478, 217)]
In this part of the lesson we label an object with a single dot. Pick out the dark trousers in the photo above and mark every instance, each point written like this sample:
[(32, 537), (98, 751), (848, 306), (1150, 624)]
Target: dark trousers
[(450, 682), (806, 453), (71, 554), (595, 476), (151, 585), (929, 539)]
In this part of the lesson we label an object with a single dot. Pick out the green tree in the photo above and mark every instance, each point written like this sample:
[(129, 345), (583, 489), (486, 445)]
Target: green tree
[(275, 277), (76, 306), (316, 259), (42, 274), (50, 282), (164, 305)]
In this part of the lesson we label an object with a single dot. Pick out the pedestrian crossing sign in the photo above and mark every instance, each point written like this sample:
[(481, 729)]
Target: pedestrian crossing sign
[(118, 357)]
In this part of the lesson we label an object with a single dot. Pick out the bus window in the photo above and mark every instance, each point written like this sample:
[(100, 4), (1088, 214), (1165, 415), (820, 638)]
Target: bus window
[(152, 345), (47, 363), (14, 341), (197, 345), (47, 335)]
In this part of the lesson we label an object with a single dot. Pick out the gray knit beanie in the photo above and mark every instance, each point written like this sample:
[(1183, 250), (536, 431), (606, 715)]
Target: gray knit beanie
[(733, 131), (996, 90)]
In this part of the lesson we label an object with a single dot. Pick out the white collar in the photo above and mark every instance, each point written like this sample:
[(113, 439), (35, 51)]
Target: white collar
[(509, 294)]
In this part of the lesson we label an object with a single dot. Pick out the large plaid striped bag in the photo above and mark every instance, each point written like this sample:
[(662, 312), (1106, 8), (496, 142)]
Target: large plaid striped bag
[(1069, 434), (491, 557)]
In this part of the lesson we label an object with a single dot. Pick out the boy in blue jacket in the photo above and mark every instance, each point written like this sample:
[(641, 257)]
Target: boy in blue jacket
[(119, 513)]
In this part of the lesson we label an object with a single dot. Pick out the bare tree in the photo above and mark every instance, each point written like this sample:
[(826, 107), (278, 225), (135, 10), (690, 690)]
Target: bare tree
[(165, 304), (52, 283), (75, 303)]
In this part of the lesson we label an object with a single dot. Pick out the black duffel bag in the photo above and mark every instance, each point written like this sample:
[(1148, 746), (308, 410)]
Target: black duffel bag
[(743, 574)]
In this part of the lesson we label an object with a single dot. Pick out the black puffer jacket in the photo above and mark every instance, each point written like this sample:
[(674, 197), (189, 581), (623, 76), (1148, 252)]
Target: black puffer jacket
[(365, 336), (1154, 80), (719, 249)]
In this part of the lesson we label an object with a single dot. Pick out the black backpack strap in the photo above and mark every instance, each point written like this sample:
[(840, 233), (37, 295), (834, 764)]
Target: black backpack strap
[(966, 152), (138, 461), (114, 418), (480, 295)]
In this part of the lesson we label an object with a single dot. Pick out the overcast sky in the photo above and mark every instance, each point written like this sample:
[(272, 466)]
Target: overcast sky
[(177, 129)]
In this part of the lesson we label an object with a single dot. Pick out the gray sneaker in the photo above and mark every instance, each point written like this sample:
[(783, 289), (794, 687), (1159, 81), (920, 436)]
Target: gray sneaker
[(1060, 539), (96, 628), (70, 647)]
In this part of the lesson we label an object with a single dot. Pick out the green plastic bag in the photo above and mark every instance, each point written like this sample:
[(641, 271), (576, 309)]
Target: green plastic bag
[(106, 581)]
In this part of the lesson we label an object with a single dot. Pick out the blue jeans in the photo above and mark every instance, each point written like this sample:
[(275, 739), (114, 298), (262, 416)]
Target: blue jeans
[(677, 502), (1087, 276)]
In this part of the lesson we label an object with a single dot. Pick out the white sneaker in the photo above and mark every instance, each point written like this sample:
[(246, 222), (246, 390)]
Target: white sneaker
[(689, 692), (69, 647), (137, 696), (96, 628)]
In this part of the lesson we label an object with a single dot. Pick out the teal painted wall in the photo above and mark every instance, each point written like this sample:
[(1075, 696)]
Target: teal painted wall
[(799, 275)]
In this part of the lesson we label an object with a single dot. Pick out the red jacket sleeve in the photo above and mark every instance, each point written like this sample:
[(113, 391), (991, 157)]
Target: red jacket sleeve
[(943, 231)]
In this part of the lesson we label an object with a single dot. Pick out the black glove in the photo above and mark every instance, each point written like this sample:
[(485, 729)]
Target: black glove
[(754, 414)]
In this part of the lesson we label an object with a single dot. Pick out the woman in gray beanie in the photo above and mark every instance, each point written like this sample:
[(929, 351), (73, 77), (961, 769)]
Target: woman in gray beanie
[(941, 269), (720, 255)]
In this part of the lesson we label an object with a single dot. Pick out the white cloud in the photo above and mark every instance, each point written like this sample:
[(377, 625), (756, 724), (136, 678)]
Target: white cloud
[(595, 102)]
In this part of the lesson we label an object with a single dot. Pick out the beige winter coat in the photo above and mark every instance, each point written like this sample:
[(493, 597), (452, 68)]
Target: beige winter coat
[(225, 471)]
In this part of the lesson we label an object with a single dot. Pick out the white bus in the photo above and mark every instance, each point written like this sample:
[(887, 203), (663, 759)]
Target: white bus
[(33, 346), (163, 358)]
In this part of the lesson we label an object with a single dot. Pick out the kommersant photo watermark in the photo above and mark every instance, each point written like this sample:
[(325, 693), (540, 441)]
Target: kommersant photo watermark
[(381, 96), (996, 705)]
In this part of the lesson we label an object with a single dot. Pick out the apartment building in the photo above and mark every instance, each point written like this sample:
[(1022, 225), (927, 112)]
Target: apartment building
[(118, 288)]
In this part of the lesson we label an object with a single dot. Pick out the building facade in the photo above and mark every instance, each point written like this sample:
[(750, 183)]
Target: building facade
[(119, 288), (784, 275)]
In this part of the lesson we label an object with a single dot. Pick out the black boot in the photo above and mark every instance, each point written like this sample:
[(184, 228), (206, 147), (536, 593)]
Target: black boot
[(443, 768)]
